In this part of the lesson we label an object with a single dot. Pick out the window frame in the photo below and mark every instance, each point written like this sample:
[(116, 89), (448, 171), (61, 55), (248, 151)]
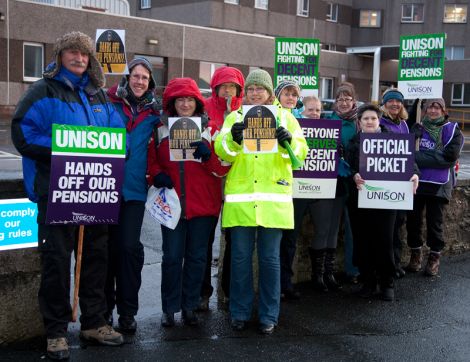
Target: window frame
[(258, 4), (232, 2), (332, 8), (213, 67), (452, 49), (460, 101), (449, 21), (323, 94), (147, 6), (370, 11), (36, 45), (301, 11), (413, 13)]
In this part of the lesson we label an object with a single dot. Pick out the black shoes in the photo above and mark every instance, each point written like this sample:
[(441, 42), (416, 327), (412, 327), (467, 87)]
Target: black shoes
[(388, 294), (399, 272), (190, 318), (237, 325), (266, 328), (168, 320), (290, 294), (127, 324)]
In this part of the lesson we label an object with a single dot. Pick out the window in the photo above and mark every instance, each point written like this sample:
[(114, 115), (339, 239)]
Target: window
[(332, 13), (331, 47), (369, 19), (326, 88), (460, 94), (145, 4), (455, 13), (455, 53), (234, 2), (206, 70), (33, 61), (302, 7), (261, 4), (412, 13)]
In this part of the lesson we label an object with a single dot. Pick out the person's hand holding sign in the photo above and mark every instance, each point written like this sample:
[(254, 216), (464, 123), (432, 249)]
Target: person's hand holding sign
[(359, 181), (202, 150), (415, 180), (282, 135), (237, 132)]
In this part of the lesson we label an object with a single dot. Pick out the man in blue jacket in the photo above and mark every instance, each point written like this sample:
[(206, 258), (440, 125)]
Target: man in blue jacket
[(69, 93)]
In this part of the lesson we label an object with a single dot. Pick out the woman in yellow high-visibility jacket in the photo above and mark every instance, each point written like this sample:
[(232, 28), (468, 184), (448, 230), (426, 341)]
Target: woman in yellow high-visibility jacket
[(258, 204)]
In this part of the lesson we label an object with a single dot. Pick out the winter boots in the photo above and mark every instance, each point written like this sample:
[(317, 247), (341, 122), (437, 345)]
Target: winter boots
[(323, 268), (330, 269), (416, 259), (432, 266), (317, 257)]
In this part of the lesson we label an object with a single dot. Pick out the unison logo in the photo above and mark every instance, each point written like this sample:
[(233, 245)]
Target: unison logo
[(305, 186), (82, 217), (418, 89), (380, 193)]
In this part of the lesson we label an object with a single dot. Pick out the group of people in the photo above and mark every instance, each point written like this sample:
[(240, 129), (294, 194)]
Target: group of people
[(258, 207)]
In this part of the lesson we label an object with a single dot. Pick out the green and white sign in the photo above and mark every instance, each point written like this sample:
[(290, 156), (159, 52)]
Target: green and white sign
[(297, 59), (87, 172), (421, 65)]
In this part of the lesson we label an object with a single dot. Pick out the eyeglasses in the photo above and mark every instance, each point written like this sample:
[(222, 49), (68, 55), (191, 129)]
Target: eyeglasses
[(143, 78), (255, 90), (344, 100)]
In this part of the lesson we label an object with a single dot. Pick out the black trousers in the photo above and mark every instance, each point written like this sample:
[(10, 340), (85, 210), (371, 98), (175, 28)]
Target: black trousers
[(434, 207), (126, 259), (373, 231), (56, 243)]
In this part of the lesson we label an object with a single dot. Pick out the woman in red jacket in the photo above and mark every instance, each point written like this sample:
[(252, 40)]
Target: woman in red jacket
[(198, 185)]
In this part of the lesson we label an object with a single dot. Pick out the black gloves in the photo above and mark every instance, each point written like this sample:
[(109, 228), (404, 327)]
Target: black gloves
[(162, 180), (282, 135), (237, 132), (202, 150), (417, 129)]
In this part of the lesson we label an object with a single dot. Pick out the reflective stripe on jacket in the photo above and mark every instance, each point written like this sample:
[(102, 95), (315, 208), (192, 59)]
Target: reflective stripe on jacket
[(258, 190)]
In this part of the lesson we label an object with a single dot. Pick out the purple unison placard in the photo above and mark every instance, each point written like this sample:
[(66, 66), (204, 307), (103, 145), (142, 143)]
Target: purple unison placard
[(323, 139), (386, 156), (85, 190)]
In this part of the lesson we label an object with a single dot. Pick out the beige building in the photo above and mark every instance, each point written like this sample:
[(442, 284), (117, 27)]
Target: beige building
[(192, 38)]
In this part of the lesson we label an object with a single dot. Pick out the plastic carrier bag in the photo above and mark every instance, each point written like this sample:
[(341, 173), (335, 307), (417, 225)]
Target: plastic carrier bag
[(164, 206)]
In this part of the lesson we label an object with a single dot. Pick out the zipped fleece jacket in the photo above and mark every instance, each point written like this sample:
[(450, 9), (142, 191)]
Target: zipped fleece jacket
[(139, 126), (258, 189), (63, 99)]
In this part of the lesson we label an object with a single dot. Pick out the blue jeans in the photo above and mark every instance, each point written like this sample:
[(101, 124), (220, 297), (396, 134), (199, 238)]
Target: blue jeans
[(241, 284), (184, 262)]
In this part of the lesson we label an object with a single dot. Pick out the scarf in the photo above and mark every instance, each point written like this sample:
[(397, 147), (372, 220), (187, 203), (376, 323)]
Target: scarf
[(139, 104), (350, 115), (434, 128)]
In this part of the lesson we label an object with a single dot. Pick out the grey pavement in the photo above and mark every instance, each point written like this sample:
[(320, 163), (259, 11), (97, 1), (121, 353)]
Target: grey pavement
[(429, 321)]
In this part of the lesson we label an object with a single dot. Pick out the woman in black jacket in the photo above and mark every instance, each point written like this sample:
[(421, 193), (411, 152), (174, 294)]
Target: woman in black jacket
[(372, 228)]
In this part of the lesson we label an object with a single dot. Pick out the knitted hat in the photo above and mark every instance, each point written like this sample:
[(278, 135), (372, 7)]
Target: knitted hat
[(122, 88), (260, 77), (284, 84), (78, 41), (429, 102), (347, 89), (392, 93)]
